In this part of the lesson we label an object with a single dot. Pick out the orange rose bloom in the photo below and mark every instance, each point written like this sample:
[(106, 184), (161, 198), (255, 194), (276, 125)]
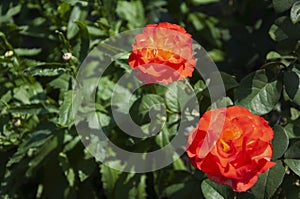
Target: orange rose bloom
[(240, 152), (162, 53)]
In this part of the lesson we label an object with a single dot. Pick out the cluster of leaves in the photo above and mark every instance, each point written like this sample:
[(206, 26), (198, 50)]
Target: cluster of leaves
[(255, 43)]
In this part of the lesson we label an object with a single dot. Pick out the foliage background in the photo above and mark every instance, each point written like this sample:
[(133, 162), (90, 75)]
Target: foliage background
[(255, 43)]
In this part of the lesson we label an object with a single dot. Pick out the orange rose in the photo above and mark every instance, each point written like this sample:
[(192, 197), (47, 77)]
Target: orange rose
[(240, 152), (162, 53)]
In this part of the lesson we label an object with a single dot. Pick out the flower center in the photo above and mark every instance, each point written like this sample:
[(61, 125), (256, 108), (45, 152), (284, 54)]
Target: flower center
[(225, 146), (229, 135)]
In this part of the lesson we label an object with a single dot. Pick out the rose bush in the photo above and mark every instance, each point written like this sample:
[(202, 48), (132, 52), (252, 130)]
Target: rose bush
[(241, 152), (162, 53), (255, 45)]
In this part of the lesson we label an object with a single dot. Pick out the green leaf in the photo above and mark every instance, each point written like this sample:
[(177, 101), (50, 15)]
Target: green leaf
[(86, 166), (292, 157), (294, 165), (46, 69), (73, 2), (63, 39), (62, 82), (27, 52), (109, 179), (203, 2), (29, 156), (162, 139), (69, 146), (223, 102), (197, 19), (34, 141), (291, 80), (131, 185), (273, 55), (179, 165), (63, 9), (43, 152), (32, 109), (10, 13), (229, 81), (85, 40), (199, 86), (284, 30), (72, 27), (295, 114), (173, 122), (106, 89), (141, 108), (66, 167), (171, 98), (259, 92), (189, 189), (293, 129), (133, 12), (280, 142), (283, 5), (216, 55), (295, 12), (65, 110), (30, 93), (166, 178), (212, 190), (269, 181)]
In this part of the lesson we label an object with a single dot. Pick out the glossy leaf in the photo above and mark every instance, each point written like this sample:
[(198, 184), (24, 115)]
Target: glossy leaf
[(283, 5), (212, 190), (284, 30), (293, 129), (144, 105), (292, 157), (292, 84), (269, 181), (295, 12), (258, 92), (172, 98), (280, 142)]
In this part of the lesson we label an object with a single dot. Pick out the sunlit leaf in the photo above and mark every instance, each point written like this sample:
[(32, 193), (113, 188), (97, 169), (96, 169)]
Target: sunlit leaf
[(295, 12), (109, 179), (65, 110)]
